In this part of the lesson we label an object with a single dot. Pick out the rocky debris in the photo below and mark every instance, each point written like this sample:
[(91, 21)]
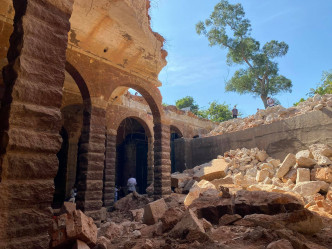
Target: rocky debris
[(272, 114), (215, 169), (154, 211), (280, 244), (71, 228), (131, 202), (249, 207), (68, 208)]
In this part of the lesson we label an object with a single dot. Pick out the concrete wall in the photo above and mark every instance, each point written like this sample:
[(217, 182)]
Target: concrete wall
[(278, 139)]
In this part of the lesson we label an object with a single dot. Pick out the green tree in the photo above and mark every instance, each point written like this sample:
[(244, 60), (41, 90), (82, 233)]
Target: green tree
[(228, 28), (187, 101), (325, 86), (217, 112)]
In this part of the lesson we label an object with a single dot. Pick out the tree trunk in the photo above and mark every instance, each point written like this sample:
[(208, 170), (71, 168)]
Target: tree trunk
[(263, 97)]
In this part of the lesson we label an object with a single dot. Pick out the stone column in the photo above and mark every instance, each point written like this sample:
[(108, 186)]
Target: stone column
[(71, 163), (109, 171), (150, 160), (31, 120), (162, 162), (91, 162)]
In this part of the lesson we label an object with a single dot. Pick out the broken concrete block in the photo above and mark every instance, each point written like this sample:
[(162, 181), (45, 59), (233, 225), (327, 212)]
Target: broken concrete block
[(228, 219), (154, 211), (304, 158), (289, 161), (324, 174), (303, 175), (216, 169)]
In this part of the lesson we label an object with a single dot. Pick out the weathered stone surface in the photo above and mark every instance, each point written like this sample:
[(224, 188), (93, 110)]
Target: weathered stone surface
[(154, 211), (324, 174), (188, 226), (68, 207), (302, 221), (214, 170), (196, 190), (280, 244), (80, 245), (291, 175), (228, 219), (179, 180), (289, 161), (131, 202), (303, 175), (170, 218), (262, 175), (304, 158), (261, 156), (68, 228), (310, 188)]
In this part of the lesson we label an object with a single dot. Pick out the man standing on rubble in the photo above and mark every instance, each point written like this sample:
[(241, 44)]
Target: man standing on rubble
[(235, 112), (131, 184)]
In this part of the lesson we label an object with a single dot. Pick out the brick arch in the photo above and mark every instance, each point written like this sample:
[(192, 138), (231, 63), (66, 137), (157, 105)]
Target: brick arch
[(140, 120), (161, 131), (176, 129)]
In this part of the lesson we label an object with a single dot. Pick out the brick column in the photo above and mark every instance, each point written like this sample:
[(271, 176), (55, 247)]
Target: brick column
[(150, 160), (91, 162), (109, 171), (31, 120), (162, 162)]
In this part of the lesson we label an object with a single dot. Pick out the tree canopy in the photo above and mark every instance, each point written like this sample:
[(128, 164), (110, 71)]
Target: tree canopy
[(217, 112), (187, 101), (228, 28)]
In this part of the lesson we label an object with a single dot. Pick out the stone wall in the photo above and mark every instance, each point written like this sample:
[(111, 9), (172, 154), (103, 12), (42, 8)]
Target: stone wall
[(278, 139)]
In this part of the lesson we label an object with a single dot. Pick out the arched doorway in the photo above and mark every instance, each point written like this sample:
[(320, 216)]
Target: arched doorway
[(175, 134), (132, 154), (73, 116)]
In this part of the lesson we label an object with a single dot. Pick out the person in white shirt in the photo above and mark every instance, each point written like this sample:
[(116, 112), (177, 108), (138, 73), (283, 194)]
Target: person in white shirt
[(131, 184), (269, 101)]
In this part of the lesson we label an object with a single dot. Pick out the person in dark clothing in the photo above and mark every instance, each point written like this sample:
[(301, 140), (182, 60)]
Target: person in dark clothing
[(235, 112)]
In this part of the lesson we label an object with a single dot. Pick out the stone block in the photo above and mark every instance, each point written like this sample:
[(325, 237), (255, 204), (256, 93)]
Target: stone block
[(289, 161), (154, 211), (215, 169), (324, 174), (196, 190), (310, 188), (303, 175), (291, 175), (188, 226), (305, 158), (261, 156), (103, 214), (228, 219), (80, 245), (262, 175), (68, 208), (170, 218), (179, 180)]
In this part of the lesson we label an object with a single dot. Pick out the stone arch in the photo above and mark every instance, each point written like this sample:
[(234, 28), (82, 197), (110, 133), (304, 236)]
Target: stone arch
[(161, 146), (176, 130)]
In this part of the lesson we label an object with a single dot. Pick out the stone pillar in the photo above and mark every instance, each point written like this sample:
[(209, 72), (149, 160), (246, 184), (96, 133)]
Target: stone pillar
[(162, 162), (150, 160), (30, 121), (71, 163), (109, 171), (91, 162)]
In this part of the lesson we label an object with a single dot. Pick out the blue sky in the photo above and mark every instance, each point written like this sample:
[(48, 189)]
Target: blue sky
[(198, 70)]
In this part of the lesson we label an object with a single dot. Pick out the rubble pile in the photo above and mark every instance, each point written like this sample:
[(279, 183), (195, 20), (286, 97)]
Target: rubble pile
[(243, 199), (306, 174), (272, 114)]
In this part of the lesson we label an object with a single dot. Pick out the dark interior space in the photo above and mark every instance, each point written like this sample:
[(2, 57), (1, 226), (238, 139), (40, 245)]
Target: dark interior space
[(60, 178), (132, 155), (175, 134)]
